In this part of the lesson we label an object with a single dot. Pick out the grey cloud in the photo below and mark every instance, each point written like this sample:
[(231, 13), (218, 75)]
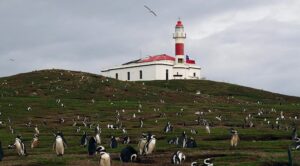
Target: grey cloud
[(96, 34)]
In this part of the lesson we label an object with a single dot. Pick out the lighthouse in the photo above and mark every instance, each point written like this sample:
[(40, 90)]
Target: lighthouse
[(159, 66), (179, 37)]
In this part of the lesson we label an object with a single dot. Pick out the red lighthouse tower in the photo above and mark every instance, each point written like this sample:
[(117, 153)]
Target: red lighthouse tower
[(179, 37)]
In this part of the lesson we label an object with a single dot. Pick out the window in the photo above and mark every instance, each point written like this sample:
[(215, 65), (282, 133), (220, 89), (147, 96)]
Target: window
[(141, 74), (128, 75), (167, 74), (180, 60), (194, 74), (117, 76)]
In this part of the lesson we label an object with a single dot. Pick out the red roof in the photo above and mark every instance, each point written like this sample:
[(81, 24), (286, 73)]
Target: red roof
[(189, 61), (157, 58), (179, 24)]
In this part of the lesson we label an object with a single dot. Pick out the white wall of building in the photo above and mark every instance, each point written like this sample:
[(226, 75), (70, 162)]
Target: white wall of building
[(153, 71)]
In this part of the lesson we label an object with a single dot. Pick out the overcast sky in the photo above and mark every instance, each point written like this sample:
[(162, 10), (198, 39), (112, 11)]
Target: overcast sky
[(248, 42)]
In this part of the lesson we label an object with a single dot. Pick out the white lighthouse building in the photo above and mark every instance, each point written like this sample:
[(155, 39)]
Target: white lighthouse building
[(159, 67)]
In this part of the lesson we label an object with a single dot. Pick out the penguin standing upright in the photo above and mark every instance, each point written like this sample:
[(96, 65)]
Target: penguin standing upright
[(20, 146), (35, 141), (141, 123), (113, 142), (234, 138), (1, 152), (84, 139), (98, 139), (92, 146), (104, 157), (59, 144), (182, 140), (150, 145), (207, 128), (36, 129), (142, 143)]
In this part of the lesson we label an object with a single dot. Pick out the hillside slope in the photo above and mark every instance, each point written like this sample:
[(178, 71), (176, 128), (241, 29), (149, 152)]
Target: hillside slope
[(74, 102), (81, 85)]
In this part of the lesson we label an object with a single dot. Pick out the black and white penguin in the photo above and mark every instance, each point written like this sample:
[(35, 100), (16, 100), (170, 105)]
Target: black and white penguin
[(60, 144), (234, 138), (173, 140), (100, 149), (195, 163), (92, 146), (126, 140), (20, 146), (182, 140), (97, 129), (294, 134), (191, 143), (177, 158), (142, 143), (128, 154), (98, 138), (35, 141), (104, 156), (113, 142), (141, 123), (36, 129), (208, 162), (1, 152), (84, 140), (297, 144), (150, 145), (168, 127)]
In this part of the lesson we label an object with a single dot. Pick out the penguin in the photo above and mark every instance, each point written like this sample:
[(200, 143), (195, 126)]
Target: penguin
[(142, 143), (113, 142), (1, 152), (191, 143), (195, 163), (141, 123), (297, 144), (177, 158), (60, 144), (207, 128), (182, 140), (92, 146), (84, 140), (126, 140), (150, 145), (20, 146), (234, 138), (36, 129), (294, 134), (168, 127), (104, 156), (173, 140), (100, 149), (98, 139), (128, 154), (208, 162), (97, 128), (35, 141)]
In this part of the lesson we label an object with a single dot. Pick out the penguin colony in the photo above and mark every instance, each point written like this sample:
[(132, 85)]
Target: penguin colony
[(146, 145)]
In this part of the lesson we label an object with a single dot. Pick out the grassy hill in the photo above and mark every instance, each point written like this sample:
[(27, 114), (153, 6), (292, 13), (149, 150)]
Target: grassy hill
[(156, 102)]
